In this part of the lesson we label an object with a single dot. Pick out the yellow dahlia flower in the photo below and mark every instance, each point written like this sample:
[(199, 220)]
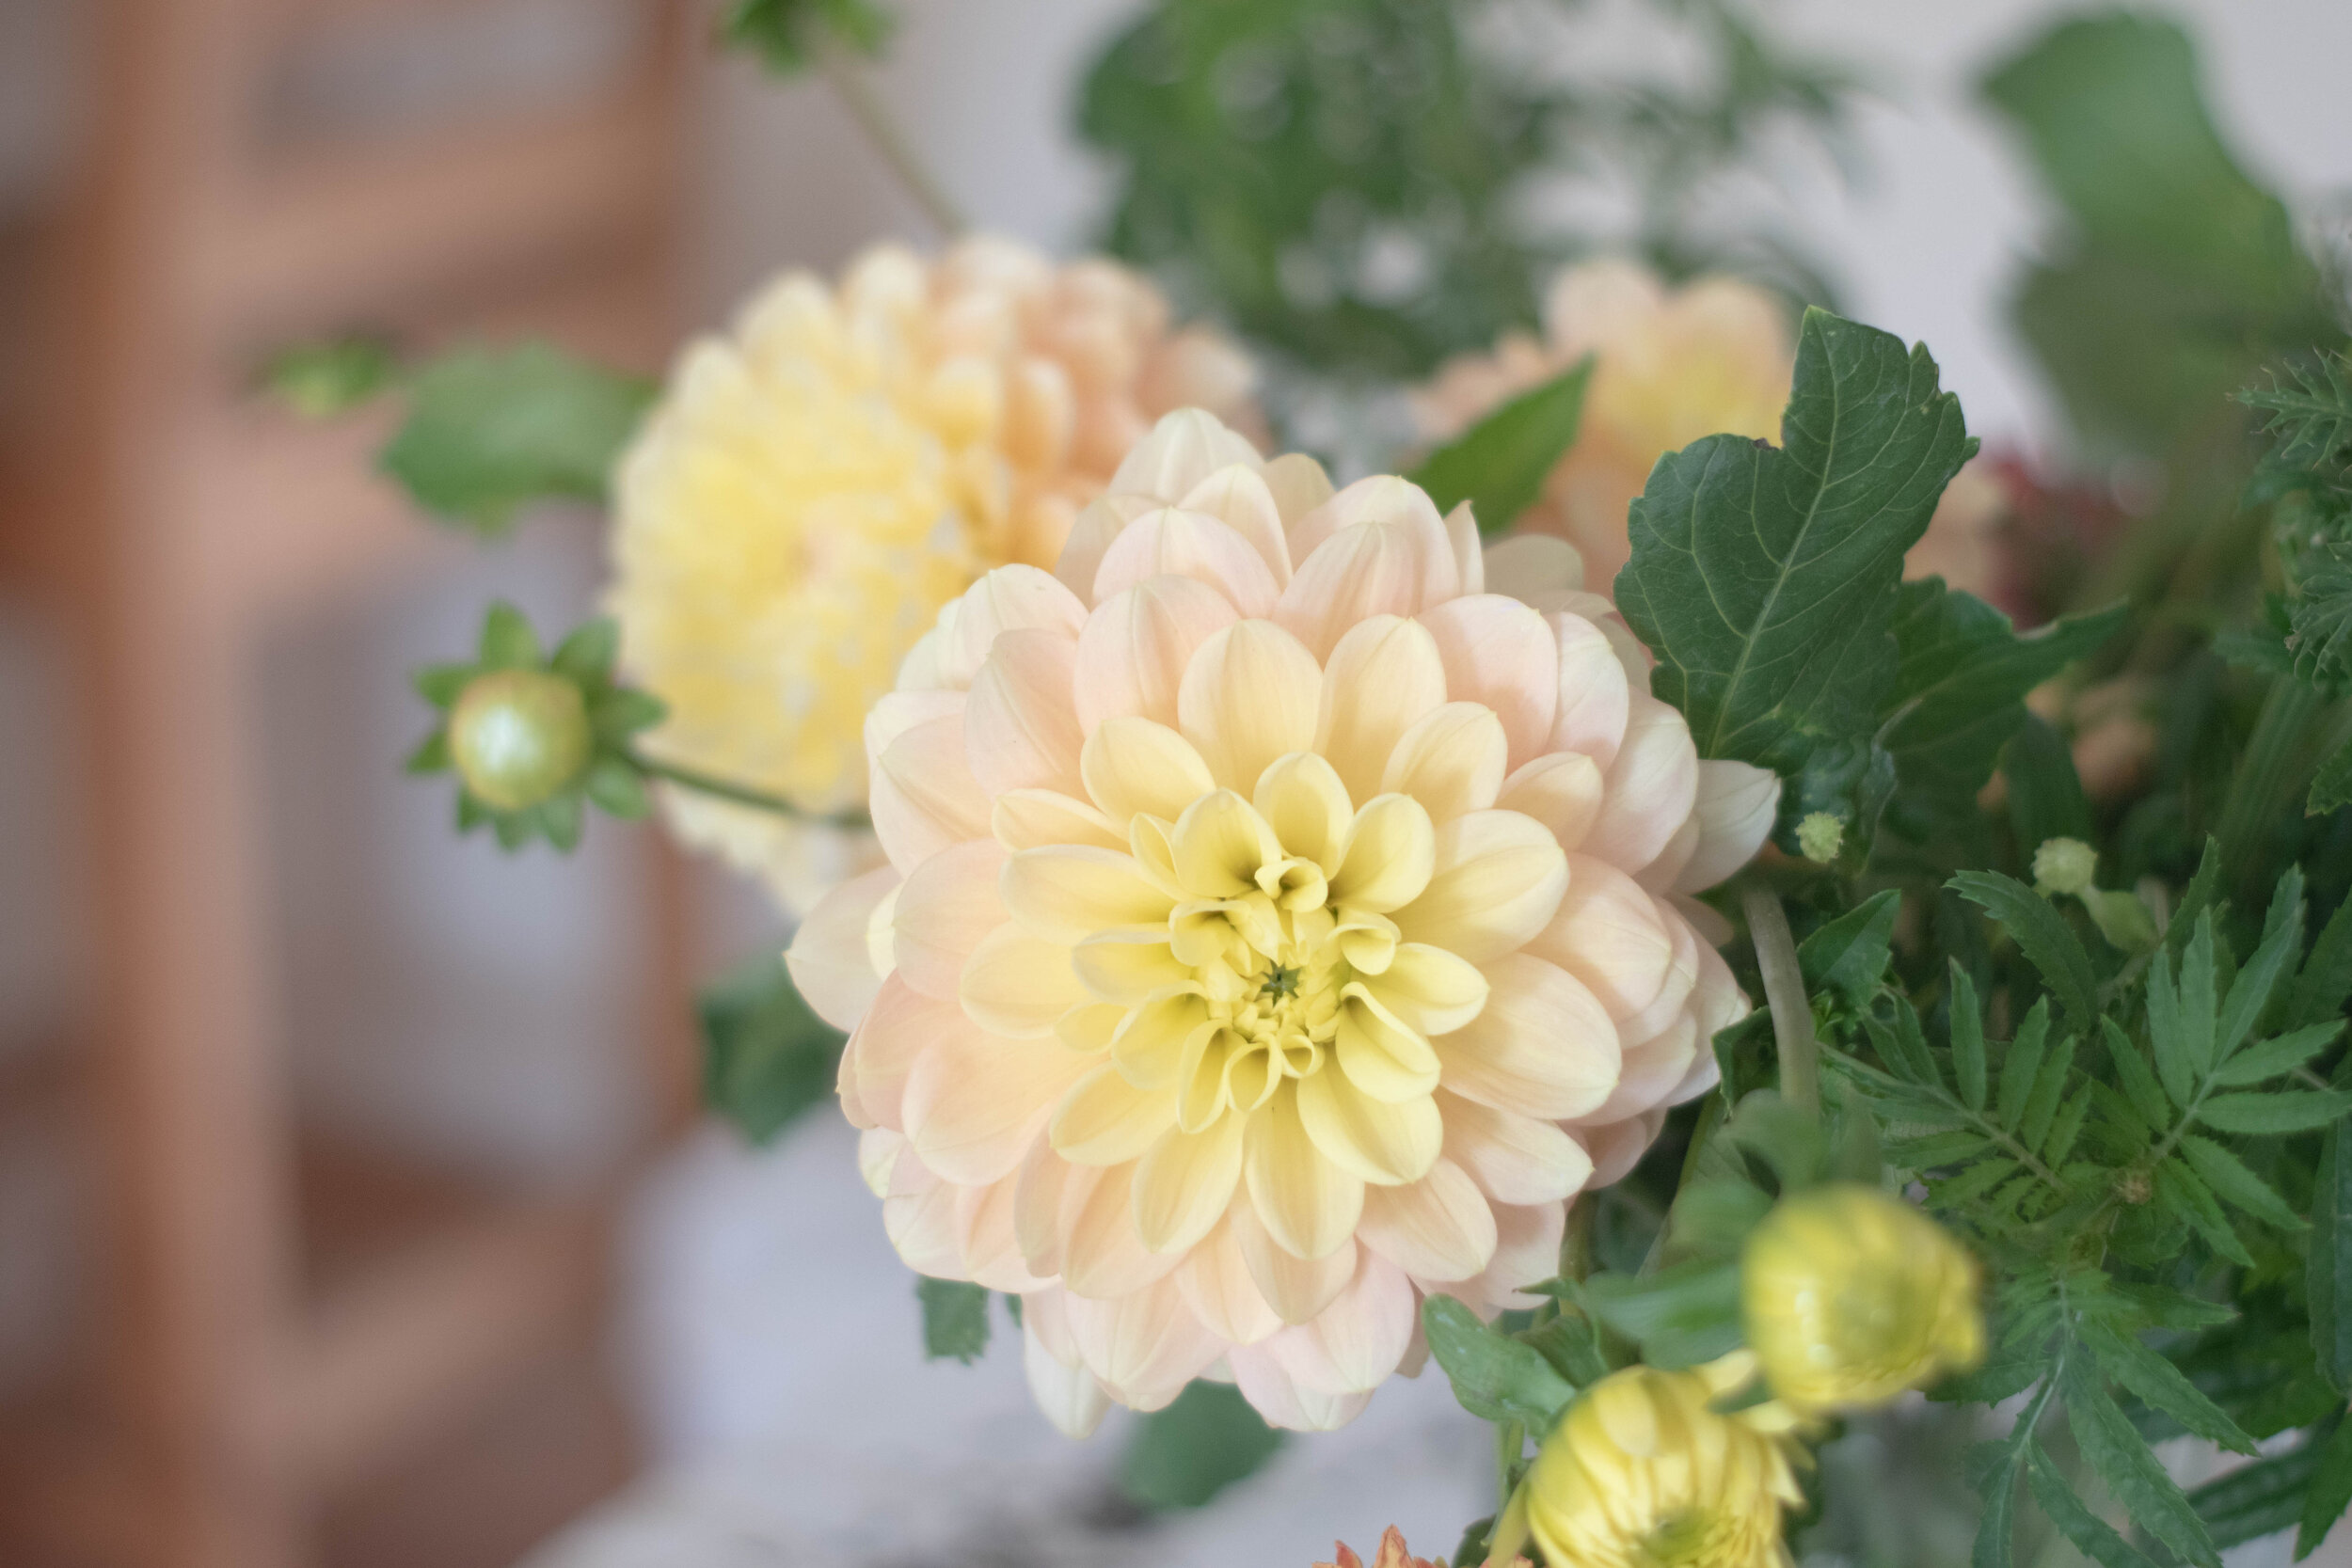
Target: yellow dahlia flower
[(1282, 921), (814, 487), (1852, 1295), (1642, 1472)]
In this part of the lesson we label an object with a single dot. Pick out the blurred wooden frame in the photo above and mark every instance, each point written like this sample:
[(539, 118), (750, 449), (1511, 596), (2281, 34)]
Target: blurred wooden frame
[(167, 519)]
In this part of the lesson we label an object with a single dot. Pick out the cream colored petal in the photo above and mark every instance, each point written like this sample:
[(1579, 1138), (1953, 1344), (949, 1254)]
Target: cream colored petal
[(1381, 679), (1527, 1252), (1451, 762), (1068, 894), (1159, 1044), (919, 1217), (923, 796), (1302, 799), (1009, 599), (1020, 731), (1221, 844), (1181, 451), (1654, 1070), (1561, 789), (1135, 767), (1018, 987), (1298, 485), (1608, 934), (1663, 871), (1248, 697), (1307, 1203), (1038, 1188), (1594, 693), (1542, 1045), (1128, 967), (1239, 498), (1380, 1056), (1271, 1391), (974, 1102), (1498, 880), (830, 965), (1674, 993), (945, 908), (1381, 498), (1103, 1257), (1470, 561), (1354, 1345), (1431, 990), (1389, 856), (897, 712), (1500, 653), (1072, 1397), (1135, 650), (1513, 1158), (1296, 1288), (1399, 567), (1735, 808), (1438, 1227), (1033, 818), (1143, 1343), (1215, 1278), (1183, 1185), (1650, 789), (984, 1238), (892, 1037), (878, 1151), (1529, 564), (1174, 543), (1098, 523), (1379, 1143), (1617, 1146), (1106, 1120)]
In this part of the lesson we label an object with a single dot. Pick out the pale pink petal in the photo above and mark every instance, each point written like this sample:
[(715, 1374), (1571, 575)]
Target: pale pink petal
[(1527, 1252), (1499, 651), (1091, 539), (1530, 564), (1663, 868), (1381, 498), (1543, 1045), (1609, 933), (1498, 881), (1595, 695), (1438, 1227), (1248, 697), (1183, 449), (1352, 1345), (923, 796), (1299, 486), (1070, 1396), (1007, 599), (1735, 808), (1144, 1342), (897, 712), (984, 1237), (919, 1217), (1383, 677), (1617, 1146), (1514, 1158), (1135, 650), (1134, 767), (1649, 787), (1102, 1257), (1190, 545), (1271, 1391), (1032, 819), (878, 1151), (1469, 560), (1654, 1068), (1674, 993), (1020, 731), (975, 1102), (1043, 1181), (1296, 1288), (1561, 789), (830, 964), (1215, 1277), (1067, 893), (1397, 567), (948, 909), (889, 1040), (1240, 498), (1452, 761)]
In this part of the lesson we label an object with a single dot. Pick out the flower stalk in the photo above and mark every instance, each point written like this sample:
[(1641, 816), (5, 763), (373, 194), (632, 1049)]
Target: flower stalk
[(1784, 989)]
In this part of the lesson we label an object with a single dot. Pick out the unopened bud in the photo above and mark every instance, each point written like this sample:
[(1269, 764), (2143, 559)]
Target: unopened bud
[(2064, 866), (518, 736), (1820, 835)]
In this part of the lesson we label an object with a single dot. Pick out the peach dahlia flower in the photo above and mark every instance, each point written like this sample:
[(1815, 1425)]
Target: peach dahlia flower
[(1278, 927)]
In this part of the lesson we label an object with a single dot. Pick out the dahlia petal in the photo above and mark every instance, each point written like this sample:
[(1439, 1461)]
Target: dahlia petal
[(948, 906), (1382, 1056), (1303, 800), (923, 796), (1380, 1143), (1470, 561), (1382, 498), (1184, 1184), (1072, 1397), (1388, 857), (1307, 1203), (1594, 694), (1248, 697), (1650, 787), (1654, 1070), (1103, 1257), (1529, 564), (1106, 1120), (1381, 679), (1352, 1345), (1500, 653), (1716, 999), (889, 1040), (1135, 650), (1215, 1278), (1145, 1346), (1735, 808), (1617, 1146), (1513, 1158), (974, 1102), (919, 1217), (1019, 729), (878, 1150), (1497, 881), (1527, 1252), (1137, 768), (1009, 599), (1182, 450), (1296, 1288), (1666, 865), (1067, 893), (895, 712), (1272, 1392), (1016, 985), (985, 1239), (1154, 1044), (1608, 934), (1437, 1228), (1452, 761), (1039, 1190), (1220, 842), (1128, 967), (1429, 989), (1543, 1045), (1299, 486), (1099, 523), (1394, 567), (1561, 789), (1032, 819), (1173, 543), (1240, 498), (828, 958), (1674, 993)]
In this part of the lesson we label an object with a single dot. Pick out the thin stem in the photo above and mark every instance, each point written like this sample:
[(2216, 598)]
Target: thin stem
[(1510, 1446), (855, 89), (1784, 989), (741, 795)]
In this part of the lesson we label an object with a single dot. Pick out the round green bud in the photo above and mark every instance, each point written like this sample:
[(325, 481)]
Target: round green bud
[(518, 736), (1820, 835), (2064, 866)]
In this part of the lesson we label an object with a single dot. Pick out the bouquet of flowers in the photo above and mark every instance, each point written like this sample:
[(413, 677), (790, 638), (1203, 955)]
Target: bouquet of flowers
[(1617, 908)]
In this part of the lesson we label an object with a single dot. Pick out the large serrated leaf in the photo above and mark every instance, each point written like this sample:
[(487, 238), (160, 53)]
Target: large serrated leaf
[(2162, 1385), (2330, 1493), (2131, 1471), (2091, 1535), (2041, 935), (1850, 954), (2327, 1263)]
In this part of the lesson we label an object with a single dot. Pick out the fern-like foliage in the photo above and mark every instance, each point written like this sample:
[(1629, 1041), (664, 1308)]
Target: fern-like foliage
[(2307, 412)]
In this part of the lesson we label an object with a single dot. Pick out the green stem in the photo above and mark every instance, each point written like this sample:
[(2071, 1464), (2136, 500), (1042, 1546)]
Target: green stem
[(741, 795), (855, 89), (1784, 989), (2266, 774), (1510, 1447)]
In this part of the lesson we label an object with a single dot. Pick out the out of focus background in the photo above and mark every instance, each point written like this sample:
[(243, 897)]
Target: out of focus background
[(355, 1208)]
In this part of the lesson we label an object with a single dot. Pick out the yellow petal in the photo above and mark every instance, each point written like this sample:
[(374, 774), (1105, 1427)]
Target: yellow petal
[(1384, 675), (1105, 1120), (1497, 881), (1156, 1040), (1387, 857), (1452, 761), (1215, 1278), (1183, 1185), (1383, 1144), (1032, 819), (1248, 697), (1068, 894), (1429, 989), (1308, 1204), (1382, 1056), (1128, 966), (1220, 842), (1303, 800), (1438, 1227), (1018, 985), (1543, 1045), (1088, 1029), (1134, 767), (1296, 1288), (974, 1102)]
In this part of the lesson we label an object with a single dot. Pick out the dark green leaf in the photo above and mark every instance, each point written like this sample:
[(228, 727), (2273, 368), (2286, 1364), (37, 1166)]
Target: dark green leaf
[(1849, 955), (2041, 935), (1500, 463), (2328, 1263), (1205, 1442), (2256, 1499), (2181, 1191), (2042, 1106), (2285, 1052), (2232, 1182), (2022, 1069), (2138, 1082), (624, 710), (2332, 787), (955, 1319), (491, 430), (2161, 1384), (2306, 411), (1494, 1377), (2281, 947), (1765, 579), (2168, 1033), (1571, 1343), (767, 1058), (1968, 1060), (2283, 1111), (2045, 794), (2196, 897), (1679, 1316), (790, 35), (1997, 1526), (513, 828), (2091, 1535), (2330, 1492), (2130, 1471), (559, 819), (2326, 976)]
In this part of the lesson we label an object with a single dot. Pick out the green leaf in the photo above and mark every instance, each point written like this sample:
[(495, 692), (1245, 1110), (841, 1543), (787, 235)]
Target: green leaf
[(2330, 1492), (624, 710), (491, 431), (2281, 947), (441, 684), (1679, 1316), (2308, 411), (2168, 1032), (2232, 1182), (1494, 1377), (1571, 1342), (2045, 794), (2042, 1106), (2327, 1263), (2140, 1084), (2091, 1535), (788, 36), (2130, 1471), (507, 641), (618, 788), (559, 819), (2162, 1385), (1500, 463), (2196, 897), (1996, 1524), (2256, 1499), (320, 380), (2022, 1069), (2041, 935), (1765, 579), (2284, 1111), (2326, 976), (955, 1319), (588, 653), (513, 828), (1960, 683), (431, 755), (2182, 1192), (767, 1058), (1968, 1038), (1849, 955), (2281, 1054), (1185, 1454), (2332, 787)]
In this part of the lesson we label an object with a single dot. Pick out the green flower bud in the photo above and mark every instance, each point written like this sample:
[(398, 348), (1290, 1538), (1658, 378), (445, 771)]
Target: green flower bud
[(1820, 835), (518, 736), (2064, 866)]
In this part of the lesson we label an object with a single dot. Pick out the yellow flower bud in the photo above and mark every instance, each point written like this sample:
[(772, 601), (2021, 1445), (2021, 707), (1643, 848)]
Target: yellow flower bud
[(1642, 1472), (518, 736), (1851, 1296)]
